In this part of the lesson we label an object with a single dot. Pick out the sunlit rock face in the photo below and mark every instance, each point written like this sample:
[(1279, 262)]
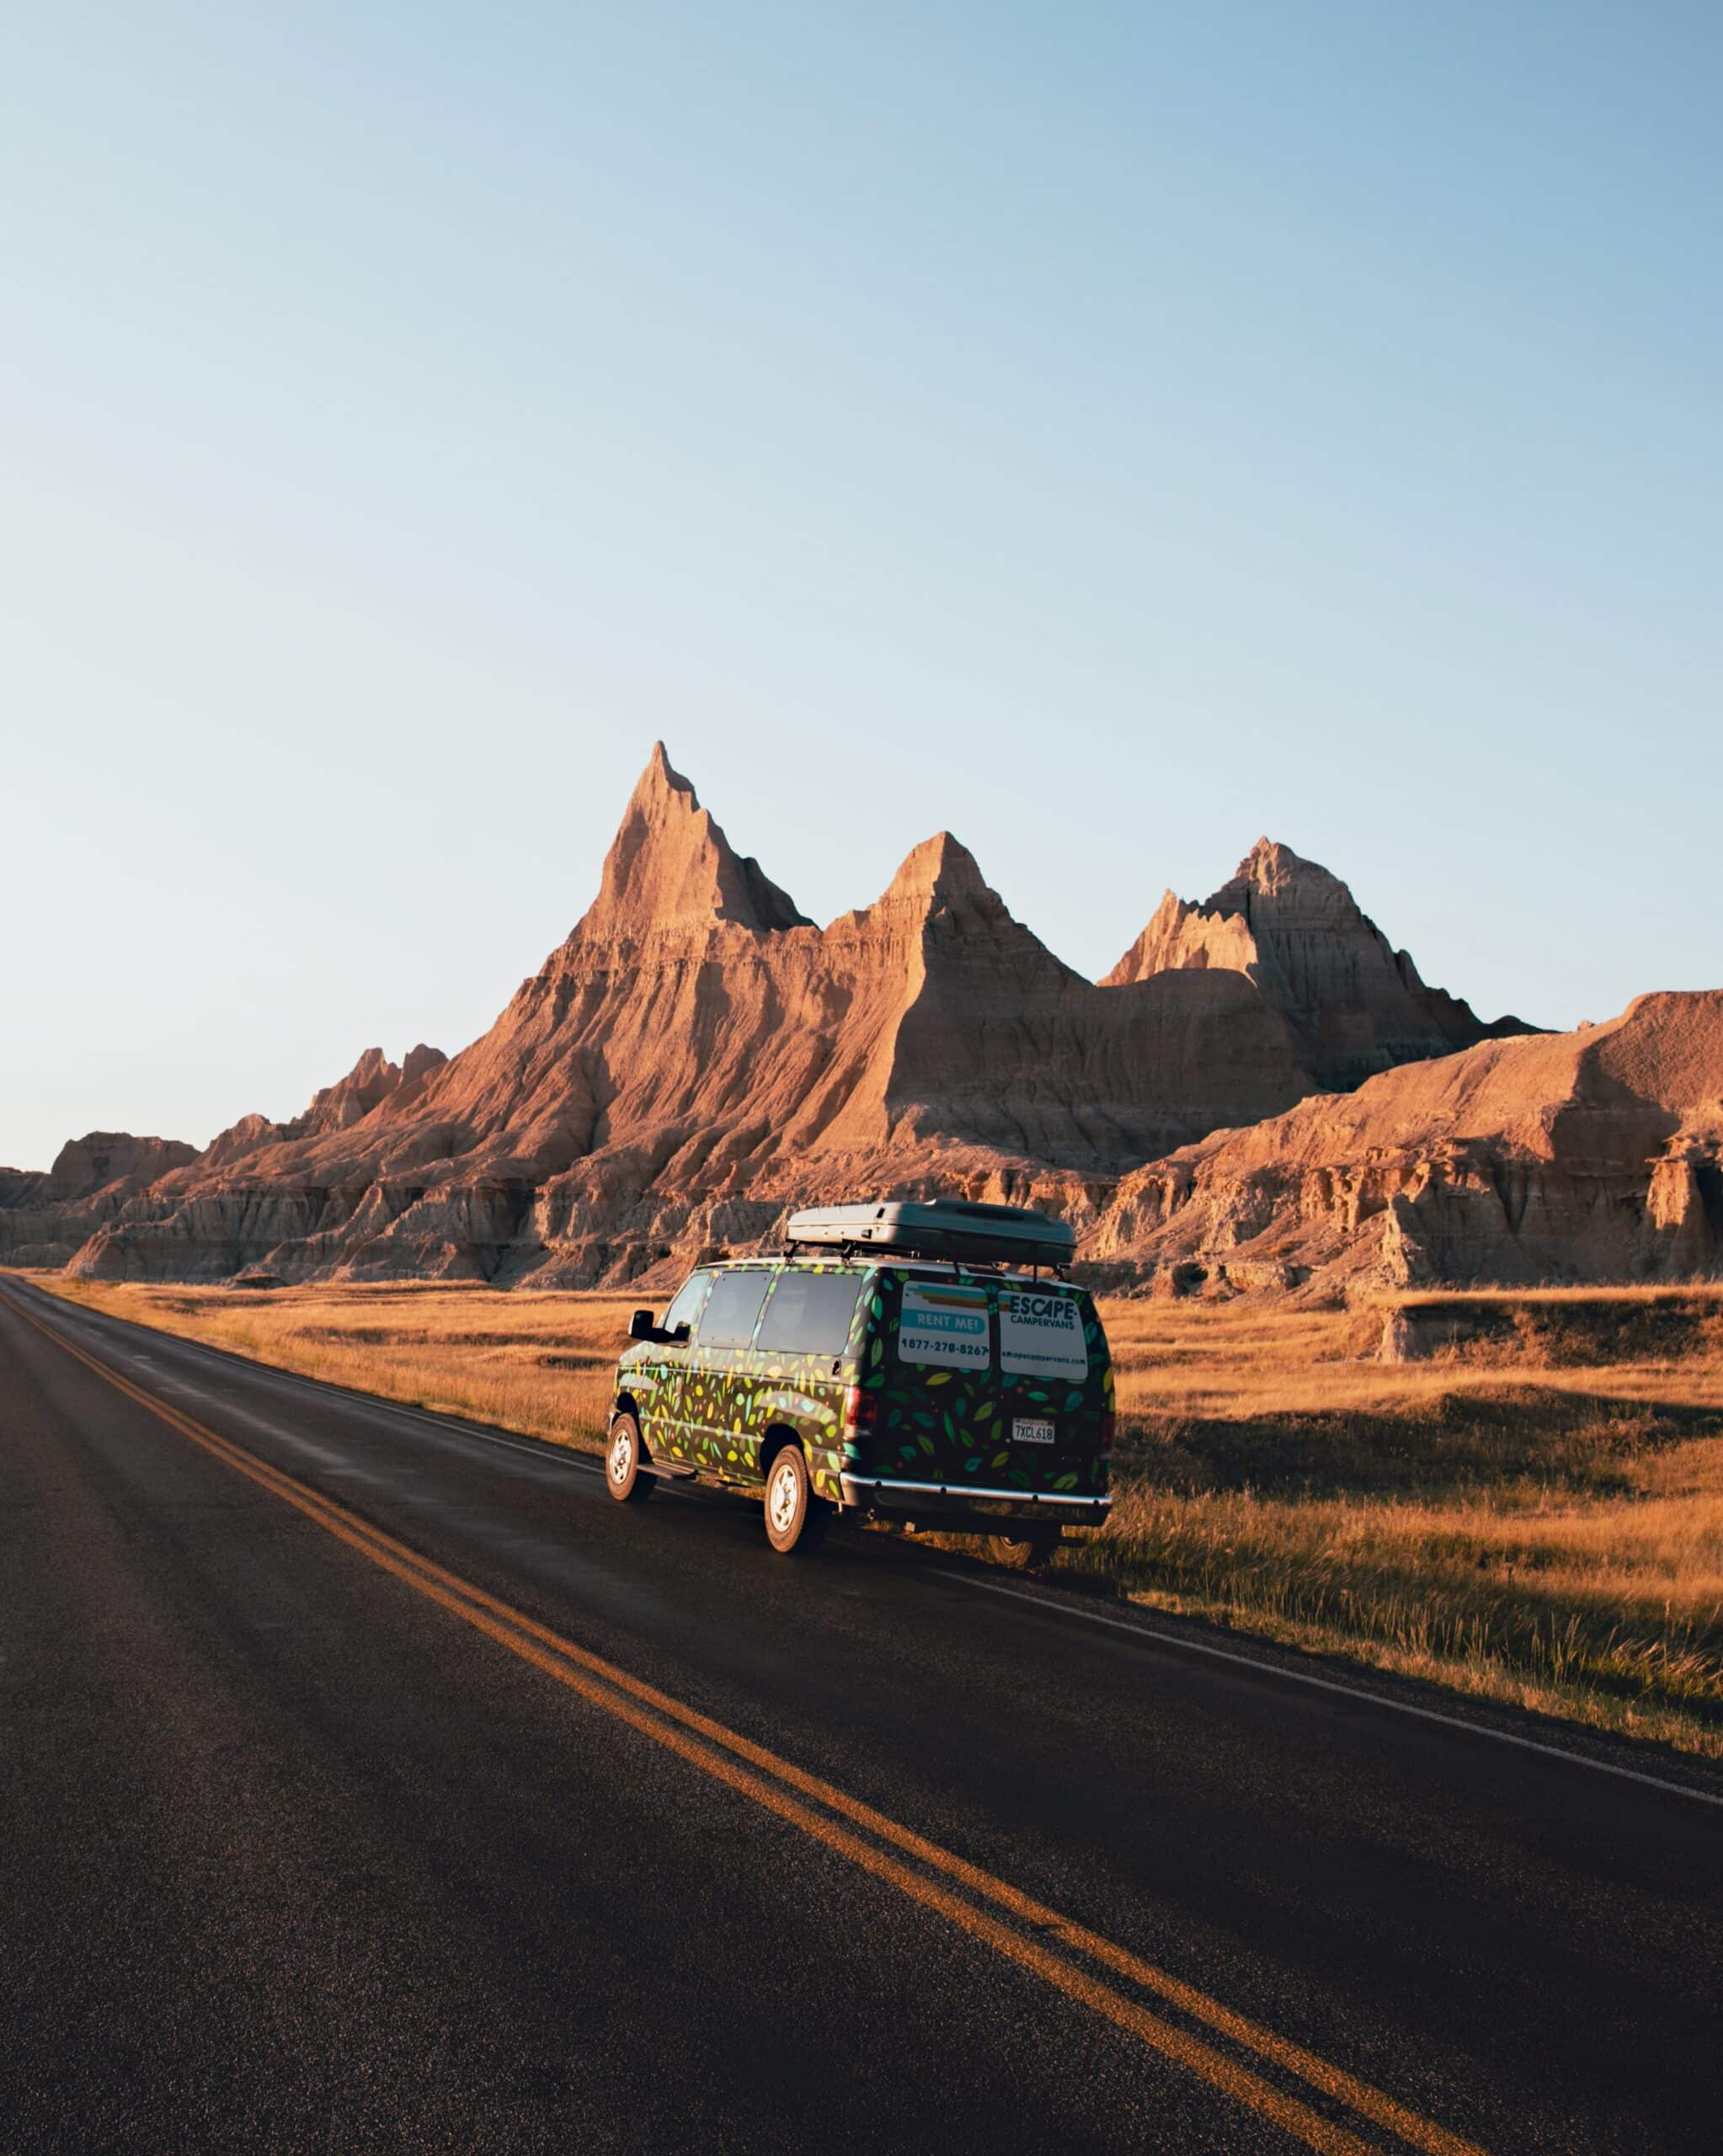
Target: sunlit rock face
[(1593, 1155), (1355, 1005), (698, 1056)]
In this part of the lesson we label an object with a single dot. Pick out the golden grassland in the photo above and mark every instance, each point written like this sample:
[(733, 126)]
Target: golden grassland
[(541, 1364), (1533, 1513), (1514, 1516)]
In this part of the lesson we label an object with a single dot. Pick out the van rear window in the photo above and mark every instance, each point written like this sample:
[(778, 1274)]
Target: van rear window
[(810, 1314)]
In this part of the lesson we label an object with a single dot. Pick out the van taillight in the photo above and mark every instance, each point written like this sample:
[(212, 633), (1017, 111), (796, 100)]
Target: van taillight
[(859, 1411), (1104, 1423)]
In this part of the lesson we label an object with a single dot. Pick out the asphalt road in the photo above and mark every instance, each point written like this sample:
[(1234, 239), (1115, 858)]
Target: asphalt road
[(371, 1781)]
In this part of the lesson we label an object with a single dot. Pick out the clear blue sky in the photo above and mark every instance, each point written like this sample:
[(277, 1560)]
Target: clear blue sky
[(1110, 432)]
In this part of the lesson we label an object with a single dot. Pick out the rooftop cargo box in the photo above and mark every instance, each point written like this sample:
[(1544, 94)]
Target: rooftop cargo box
[(940, 1227)]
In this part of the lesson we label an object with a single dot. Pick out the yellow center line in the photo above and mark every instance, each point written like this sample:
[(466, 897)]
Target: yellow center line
[(667, 1720)]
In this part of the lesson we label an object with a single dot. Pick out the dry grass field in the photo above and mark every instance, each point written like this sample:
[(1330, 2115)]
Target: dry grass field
[(541, 1365), (1530, 1510), (1533, 1512)]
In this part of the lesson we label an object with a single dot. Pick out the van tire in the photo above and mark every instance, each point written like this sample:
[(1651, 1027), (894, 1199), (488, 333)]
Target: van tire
[(627, 1478), (1026, 1551), (795, 1520)]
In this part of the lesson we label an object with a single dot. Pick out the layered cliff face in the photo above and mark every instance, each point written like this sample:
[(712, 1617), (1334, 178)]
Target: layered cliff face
[(46, 1217), (1591, 1155), (698, 1057), (1354, 1004)]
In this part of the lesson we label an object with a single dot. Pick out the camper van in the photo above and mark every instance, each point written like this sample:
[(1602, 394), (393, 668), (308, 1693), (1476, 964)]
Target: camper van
[(928, 1364)]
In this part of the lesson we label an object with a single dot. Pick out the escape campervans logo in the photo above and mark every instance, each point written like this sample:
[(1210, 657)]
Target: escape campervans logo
[(1040, 1336)]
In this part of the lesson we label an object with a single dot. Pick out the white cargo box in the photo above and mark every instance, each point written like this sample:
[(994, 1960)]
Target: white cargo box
[(939, 1227)]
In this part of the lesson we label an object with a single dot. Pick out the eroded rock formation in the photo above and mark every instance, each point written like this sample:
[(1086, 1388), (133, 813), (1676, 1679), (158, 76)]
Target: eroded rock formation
[(1354, 1004), (698, 1056), (372, 1080), (44, 1217), (1586, 1156)]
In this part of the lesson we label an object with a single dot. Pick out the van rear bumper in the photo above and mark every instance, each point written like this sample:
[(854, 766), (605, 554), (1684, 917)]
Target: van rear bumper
[(930, 1501)]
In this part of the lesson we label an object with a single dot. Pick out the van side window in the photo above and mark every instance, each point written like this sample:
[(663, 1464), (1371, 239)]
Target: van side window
[(810, 1313), (728, 1320), (687, 1306)]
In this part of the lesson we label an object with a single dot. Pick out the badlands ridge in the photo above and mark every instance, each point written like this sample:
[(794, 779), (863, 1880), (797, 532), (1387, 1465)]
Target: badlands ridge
[(1262, 1093)]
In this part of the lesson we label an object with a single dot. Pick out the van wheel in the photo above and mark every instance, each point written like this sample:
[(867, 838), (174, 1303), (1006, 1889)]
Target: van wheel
[(795, 1520), (1025, 1552), (626, 1474)]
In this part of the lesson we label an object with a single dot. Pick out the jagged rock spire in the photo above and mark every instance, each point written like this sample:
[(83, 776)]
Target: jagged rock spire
[(940, 894), (670, 867), (696, 1056), (1295, 929), (1256, 921), (938, 879), (938, 866)]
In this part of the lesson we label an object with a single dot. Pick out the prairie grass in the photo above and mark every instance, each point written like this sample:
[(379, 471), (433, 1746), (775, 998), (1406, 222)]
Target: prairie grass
[(1532, 1512), (1513, 1515)]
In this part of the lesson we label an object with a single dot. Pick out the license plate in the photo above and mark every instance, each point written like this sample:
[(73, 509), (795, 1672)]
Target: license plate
[(1032, 1432)]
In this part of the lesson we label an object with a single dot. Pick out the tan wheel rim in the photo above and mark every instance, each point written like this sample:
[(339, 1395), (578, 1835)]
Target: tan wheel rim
[(783, 1497)]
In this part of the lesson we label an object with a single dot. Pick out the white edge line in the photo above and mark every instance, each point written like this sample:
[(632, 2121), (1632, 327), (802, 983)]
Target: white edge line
[(1329, 1684)]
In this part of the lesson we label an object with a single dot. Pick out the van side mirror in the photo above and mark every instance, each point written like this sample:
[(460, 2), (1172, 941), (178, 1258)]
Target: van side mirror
[(641, 1326)]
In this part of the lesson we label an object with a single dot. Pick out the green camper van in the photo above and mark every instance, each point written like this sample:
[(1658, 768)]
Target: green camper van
[(926, 1364)]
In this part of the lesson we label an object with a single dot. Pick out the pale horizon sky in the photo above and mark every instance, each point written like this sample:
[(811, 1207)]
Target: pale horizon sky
[(1110, 432)]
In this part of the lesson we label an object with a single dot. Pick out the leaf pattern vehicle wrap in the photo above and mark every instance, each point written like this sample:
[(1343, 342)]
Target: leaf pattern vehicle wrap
[(722, 1410), (958, 1427)]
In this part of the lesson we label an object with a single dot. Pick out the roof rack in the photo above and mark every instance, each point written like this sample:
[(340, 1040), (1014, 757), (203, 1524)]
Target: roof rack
[(952, 1229)]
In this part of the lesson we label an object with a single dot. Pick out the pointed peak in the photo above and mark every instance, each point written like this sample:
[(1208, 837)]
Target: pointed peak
[(1180, 937), (1171, 908), (1272, 888), (420, 1059), (940, 867), (662, 777), (670, 867), (1271, 868), (372, 1078), (940, 894), (371, 1065)]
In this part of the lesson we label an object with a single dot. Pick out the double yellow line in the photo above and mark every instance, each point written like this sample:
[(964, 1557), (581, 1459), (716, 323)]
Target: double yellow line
[(1051, 1946)]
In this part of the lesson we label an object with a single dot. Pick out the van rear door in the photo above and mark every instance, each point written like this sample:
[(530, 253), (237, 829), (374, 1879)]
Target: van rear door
[(994, 1385), (1055, 1385), (939, 1417)]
